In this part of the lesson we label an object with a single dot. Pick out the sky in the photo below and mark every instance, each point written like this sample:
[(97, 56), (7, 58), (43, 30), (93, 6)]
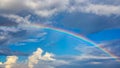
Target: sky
[(59, 33)]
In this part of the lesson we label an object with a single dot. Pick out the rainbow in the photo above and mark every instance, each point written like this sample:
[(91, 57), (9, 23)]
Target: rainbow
[(40, 26)]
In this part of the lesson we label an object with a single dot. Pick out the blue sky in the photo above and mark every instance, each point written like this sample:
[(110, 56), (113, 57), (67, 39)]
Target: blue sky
[(96, 20), (105, 35)]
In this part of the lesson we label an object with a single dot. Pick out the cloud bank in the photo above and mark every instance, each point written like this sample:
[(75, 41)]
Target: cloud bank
[(47, 60), (49, 8)]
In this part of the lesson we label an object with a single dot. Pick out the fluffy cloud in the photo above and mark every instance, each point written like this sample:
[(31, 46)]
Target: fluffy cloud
[(34, 59), (10, 61), (1, 63)]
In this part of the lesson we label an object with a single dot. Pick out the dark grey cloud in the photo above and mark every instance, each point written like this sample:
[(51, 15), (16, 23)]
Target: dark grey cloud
[(86, 23)]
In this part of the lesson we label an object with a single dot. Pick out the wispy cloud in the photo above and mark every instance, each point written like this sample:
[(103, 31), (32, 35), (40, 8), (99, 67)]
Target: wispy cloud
[(18, 19), (112, 47), (16, 34)]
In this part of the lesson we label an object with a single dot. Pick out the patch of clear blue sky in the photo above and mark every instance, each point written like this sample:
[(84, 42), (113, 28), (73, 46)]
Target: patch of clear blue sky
[(55, 42), (105, 35)]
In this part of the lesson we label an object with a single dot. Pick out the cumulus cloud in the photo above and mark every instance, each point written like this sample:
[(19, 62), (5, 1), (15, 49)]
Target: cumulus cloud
[(37, 56), (34, 58), (1, 63), (10, 61)]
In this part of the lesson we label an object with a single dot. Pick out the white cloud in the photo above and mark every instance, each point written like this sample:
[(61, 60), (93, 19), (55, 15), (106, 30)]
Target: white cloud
[(37, 56), (33, 59), (48, 56), (102, 9), (18, 19), (95, 63), (9, 29), (86, 57), (10, 61), (31, 40), (1, 63)]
